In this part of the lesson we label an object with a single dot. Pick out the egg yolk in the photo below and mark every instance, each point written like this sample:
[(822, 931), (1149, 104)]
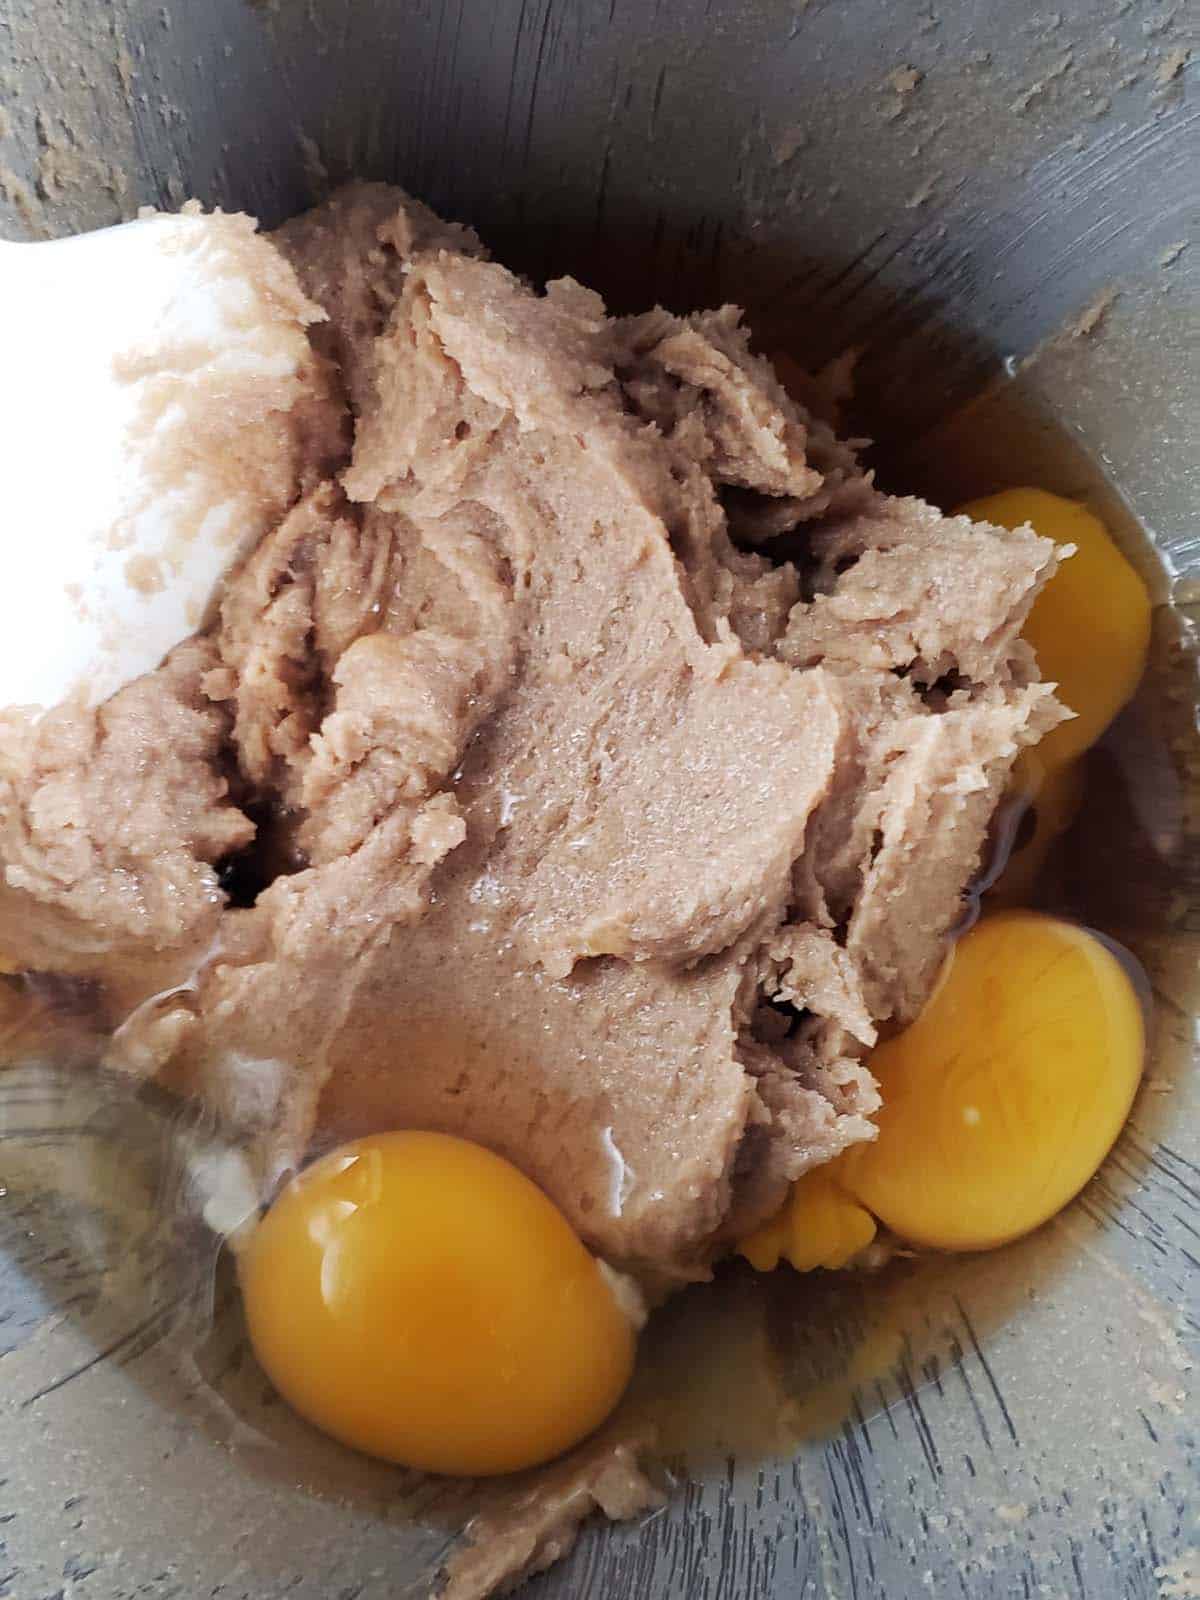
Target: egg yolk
[(1004, 1096), (1090, 626), (820, 1225), (418, 1298)]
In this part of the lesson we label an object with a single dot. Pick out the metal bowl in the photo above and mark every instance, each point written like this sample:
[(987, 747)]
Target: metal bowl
[(997, 205)]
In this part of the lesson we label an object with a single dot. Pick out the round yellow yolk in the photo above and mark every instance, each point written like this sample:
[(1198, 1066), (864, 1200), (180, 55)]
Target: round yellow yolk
[(1003, 1098), (819, 1226), (418, 1298), (1090, 626)]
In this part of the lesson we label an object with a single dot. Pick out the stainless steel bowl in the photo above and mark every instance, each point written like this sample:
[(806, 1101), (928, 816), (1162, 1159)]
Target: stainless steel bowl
[(998, 205)]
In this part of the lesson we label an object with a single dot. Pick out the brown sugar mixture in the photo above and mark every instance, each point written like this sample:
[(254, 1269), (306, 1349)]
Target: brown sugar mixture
[(592, 718)]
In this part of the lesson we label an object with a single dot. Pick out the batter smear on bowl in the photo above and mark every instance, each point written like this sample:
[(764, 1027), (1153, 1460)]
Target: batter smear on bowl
[(608, 755)]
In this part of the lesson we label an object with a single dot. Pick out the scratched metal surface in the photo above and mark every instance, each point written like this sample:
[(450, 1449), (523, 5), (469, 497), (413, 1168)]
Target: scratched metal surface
[(949, 186)]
